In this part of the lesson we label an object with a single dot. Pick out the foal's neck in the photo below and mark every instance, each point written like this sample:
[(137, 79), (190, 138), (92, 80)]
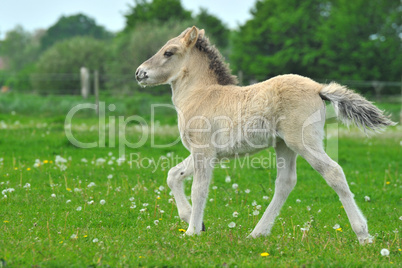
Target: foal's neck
[(195, 76)]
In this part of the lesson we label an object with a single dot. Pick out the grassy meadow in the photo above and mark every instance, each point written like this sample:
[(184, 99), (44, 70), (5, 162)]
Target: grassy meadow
[(64, 206)]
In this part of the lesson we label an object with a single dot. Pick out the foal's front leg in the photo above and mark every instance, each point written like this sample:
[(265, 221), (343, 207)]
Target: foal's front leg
[(175, 179), (203, 167)]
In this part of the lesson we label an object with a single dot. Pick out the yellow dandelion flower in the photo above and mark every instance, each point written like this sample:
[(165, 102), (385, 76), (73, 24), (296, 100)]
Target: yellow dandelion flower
[(264, 254), (28, 169), (140, 257), (158, 197), (50, 162), (85, 235), (15, 168), (5, 221), (160, 219), (61, 242), (388, 182), (341, 206), (399, 249), (45, 161), (182, 230), (339, 229), (68, 189)]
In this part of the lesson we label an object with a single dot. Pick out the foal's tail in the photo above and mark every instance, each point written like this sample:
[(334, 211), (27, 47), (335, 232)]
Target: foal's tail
[(351, 107)]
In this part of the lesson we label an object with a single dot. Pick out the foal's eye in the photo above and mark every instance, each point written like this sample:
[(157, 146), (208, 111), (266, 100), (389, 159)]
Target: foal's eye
[(168, 54)]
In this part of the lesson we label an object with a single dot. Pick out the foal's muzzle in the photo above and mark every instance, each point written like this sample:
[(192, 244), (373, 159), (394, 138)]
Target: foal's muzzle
[(141, 74)]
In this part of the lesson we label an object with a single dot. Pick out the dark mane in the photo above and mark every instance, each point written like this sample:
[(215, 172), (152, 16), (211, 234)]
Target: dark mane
[(216, 63)]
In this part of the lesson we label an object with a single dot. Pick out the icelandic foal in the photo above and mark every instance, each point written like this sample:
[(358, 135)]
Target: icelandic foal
[(219, 119)]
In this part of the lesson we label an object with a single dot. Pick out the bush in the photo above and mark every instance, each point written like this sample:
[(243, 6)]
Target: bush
[(58, 67)]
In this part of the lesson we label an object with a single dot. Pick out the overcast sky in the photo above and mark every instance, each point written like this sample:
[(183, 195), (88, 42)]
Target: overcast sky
[(40, 14)]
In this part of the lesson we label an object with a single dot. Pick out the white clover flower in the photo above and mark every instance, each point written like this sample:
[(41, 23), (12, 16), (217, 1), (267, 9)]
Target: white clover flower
[(227, 179), (319, 211), (256, 212), (156, 222), (68, 201), (232, 225), (161, 188), (400, 218), (235, 214), (27, 185), (110, 176), (143, 210), (120, 160), (336, 226), (79, 208), (102, 202), (91, 184), (258, 207), (384, 252), (96, 240), (265, 197), (308, 208), (110, 162), (171, 200), (162, 211), (214, 187), (367, 198), (73, 236), (60, 160), (145, 204), (298, 200), (148, 227), (131, 199), (100, 161), (77, 190), (90, 202), (53, 195), (211, 200), (133, 206), (235, 186), (84, 160), (254, 203)]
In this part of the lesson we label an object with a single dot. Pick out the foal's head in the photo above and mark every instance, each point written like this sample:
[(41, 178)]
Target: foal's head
[(178, 55)]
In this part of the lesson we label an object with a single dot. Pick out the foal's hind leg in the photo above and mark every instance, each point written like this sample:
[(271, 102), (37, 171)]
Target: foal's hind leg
[(310, 148), (284, 184)]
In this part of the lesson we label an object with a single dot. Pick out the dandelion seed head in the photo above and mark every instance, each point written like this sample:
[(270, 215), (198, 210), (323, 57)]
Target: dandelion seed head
[(79, 208), (102, 202), (247, 191), (235, 214), (367, 198), (336, 226), (265, 197), (235, 186), (227, 179), (214, 187), (232, 225), (53, 195), (384, 252), (298, 200), (95, 240)]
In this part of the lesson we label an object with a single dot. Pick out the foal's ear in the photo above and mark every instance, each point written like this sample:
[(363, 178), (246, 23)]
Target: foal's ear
[(190, 38), (201, 33)]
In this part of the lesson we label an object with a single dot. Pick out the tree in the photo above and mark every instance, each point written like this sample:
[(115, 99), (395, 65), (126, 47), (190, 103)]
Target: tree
[(280, 38), (58, 67), (214, 27), (155, 11), (71, 26), (19, 48), (322, 39)]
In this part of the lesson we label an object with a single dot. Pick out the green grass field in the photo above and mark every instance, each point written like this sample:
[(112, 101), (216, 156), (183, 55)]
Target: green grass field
[(90, 209)]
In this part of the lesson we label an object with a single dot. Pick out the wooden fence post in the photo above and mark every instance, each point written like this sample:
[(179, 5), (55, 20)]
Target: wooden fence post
[(84, 82), (96, 89)]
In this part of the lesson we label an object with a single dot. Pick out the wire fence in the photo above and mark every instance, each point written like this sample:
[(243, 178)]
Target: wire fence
[(70, 84)]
